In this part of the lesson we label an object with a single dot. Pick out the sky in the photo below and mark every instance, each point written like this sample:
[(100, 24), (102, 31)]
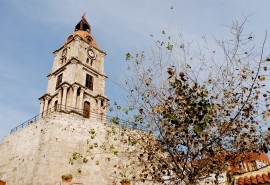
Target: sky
[(31, 30)]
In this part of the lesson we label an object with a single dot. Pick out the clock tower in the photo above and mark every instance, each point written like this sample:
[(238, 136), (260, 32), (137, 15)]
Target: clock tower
[(76, 83), (42, 149)]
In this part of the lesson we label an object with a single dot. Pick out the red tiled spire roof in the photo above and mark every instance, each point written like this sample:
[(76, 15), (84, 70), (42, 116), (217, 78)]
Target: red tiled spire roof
[(83, 29)]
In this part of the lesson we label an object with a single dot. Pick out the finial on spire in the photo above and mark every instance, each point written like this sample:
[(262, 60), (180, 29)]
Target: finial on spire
[(83, 15)]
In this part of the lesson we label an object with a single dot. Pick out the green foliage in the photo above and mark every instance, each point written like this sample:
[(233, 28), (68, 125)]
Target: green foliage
[(128, 56), (133, 142), (115, 120), (71, 161), (124, 180), (79, 170), (115, 152), (92, 131), (91, 147), (76, 155), (169, 46), (85, 160), (66, 176)]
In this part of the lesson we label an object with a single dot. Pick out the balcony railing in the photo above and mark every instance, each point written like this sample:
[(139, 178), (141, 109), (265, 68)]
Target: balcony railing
[(56, 108), (84, 113)]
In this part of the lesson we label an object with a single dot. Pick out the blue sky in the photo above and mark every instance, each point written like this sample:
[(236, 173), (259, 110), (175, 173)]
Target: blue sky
[(31, 30)]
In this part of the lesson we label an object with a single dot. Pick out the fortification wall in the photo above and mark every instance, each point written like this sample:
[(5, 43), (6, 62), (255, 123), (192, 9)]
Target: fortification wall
[(39, 154)]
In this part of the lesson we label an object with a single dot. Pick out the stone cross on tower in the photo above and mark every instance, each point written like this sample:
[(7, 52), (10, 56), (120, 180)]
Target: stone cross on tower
[(77, 81)]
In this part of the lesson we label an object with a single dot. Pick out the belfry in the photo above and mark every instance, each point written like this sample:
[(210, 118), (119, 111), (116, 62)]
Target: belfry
[(77, 80)]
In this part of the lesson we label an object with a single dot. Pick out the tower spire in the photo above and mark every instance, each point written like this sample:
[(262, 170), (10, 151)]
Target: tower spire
[(83, 29)]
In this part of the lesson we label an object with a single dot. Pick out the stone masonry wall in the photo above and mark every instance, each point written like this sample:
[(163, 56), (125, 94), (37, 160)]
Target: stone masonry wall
[(39, 154)]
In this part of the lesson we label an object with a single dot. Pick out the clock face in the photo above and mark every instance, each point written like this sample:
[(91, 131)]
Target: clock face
[(64, 52), (91, 53)]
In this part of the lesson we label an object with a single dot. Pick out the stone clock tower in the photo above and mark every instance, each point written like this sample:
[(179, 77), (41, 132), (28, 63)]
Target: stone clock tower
[(38, 151), (42, 150), (77, 81)]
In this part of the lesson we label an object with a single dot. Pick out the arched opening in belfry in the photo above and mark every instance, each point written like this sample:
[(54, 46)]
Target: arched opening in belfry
[(83, 25), (49, 105), (86, 109)]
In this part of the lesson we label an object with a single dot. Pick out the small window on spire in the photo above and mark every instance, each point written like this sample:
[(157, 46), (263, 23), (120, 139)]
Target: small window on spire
[(89, 39), (87, 60)]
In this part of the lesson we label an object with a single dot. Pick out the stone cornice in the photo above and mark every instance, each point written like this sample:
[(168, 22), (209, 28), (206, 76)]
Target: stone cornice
[(58, 70), (98, 96), (70, 85), (65, 85), (61, 85), (45, 96), (77, 84), (92, 70), (85, 67)]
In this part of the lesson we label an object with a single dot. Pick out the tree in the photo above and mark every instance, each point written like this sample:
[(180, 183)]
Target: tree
[(201, 110)]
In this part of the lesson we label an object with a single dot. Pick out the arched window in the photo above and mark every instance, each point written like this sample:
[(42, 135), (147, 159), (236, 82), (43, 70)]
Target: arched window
[(102, 103), (86, 109), (63, 60), (89, 39), (55, 105)]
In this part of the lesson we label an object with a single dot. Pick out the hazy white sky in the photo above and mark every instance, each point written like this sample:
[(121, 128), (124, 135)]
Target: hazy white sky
[(31, 30)]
